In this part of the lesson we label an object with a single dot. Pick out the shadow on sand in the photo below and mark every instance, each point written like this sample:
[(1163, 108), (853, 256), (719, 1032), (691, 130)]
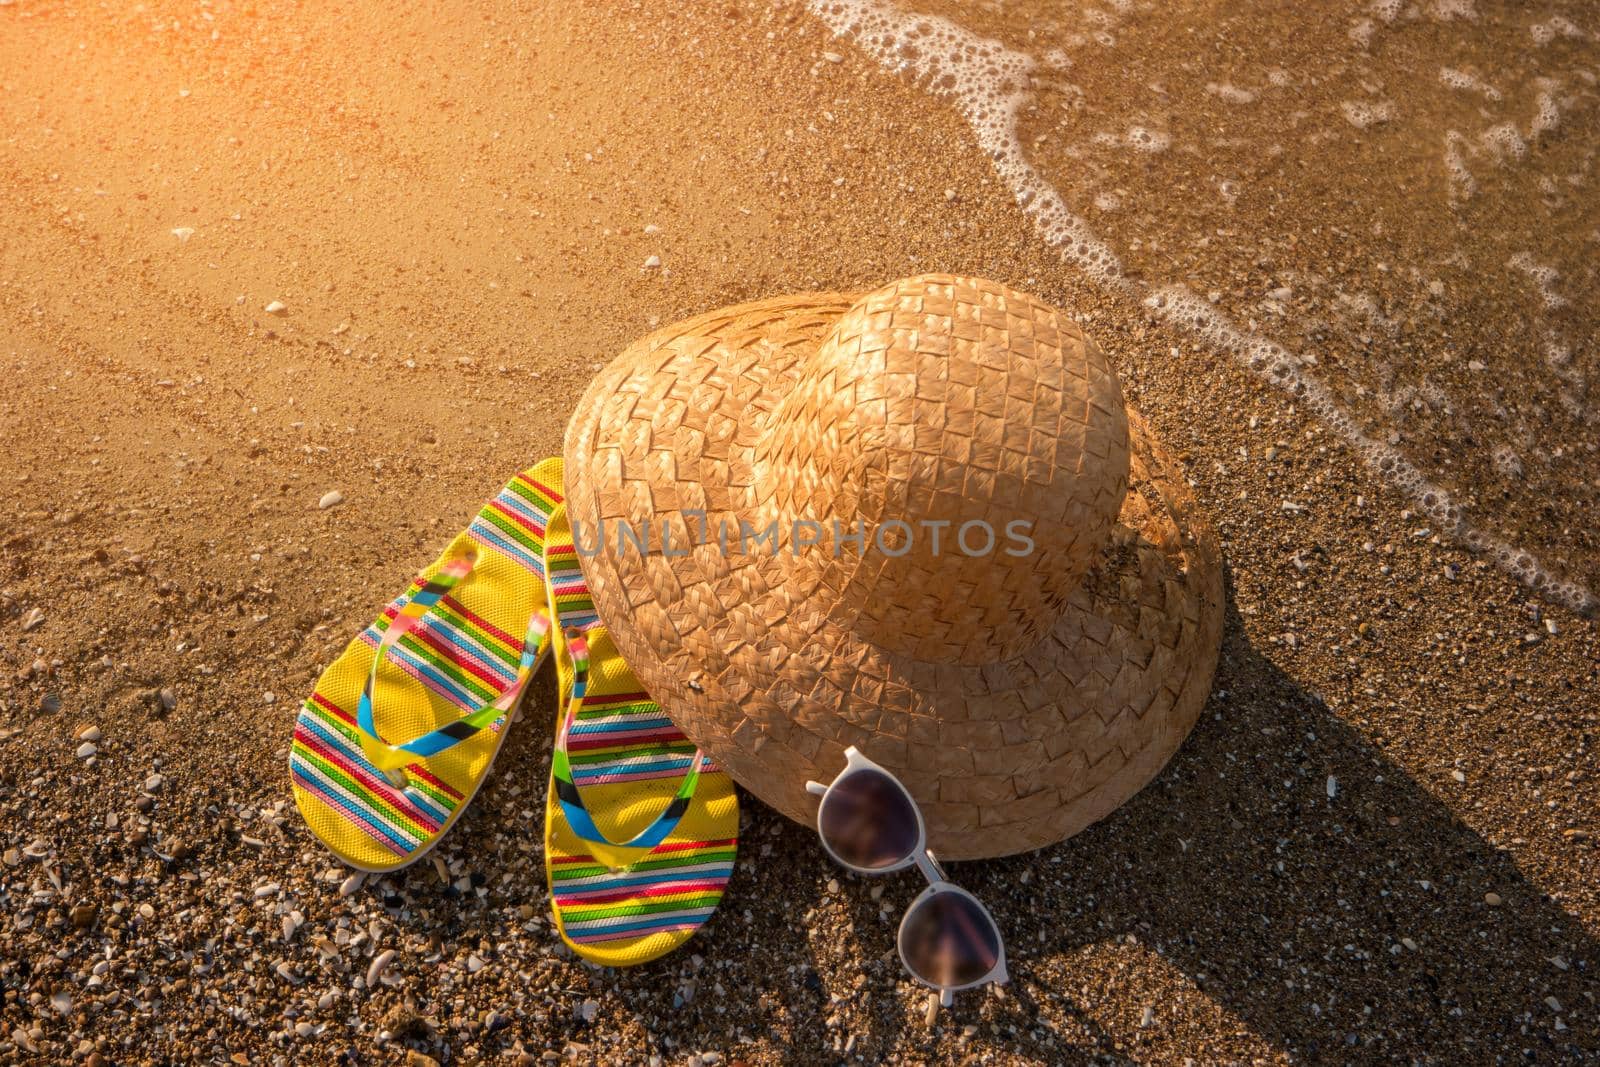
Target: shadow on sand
[(1351, 927)]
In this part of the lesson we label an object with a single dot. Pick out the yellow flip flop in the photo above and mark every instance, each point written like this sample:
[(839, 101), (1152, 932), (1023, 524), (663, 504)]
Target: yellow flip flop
[(403, 727), (641, 828)]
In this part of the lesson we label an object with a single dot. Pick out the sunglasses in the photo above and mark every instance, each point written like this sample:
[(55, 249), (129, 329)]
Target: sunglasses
[(869, 823)]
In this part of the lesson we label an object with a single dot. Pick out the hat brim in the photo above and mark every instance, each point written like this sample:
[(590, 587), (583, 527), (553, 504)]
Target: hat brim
[(743, 652)]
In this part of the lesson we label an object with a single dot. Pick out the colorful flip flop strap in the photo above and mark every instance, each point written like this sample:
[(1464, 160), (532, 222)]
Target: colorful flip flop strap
[(391, 758), (567, 791)]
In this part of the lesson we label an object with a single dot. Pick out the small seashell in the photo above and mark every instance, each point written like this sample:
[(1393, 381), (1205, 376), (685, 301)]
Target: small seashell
[(276, 307), (380, 963)]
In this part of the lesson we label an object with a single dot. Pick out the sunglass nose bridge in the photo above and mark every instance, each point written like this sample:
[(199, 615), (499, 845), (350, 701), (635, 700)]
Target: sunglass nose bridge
[(816, 789)]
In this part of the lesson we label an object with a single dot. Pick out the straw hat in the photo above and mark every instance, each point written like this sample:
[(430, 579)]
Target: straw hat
[(1020, 693)]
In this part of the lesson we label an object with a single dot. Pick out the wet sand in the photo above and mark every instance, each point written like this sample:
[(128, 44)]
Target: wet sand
[(1380, 842)]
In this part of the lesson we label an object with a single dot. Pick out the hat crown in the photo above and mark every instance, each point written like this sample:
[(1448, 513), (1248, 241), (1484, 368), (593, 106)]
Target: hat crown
[(978, 442)]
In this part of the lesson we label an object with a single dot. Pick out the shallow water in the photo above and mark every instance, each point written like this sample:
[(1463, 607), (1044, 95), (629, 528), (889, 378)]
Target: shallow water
[(1388, 210)]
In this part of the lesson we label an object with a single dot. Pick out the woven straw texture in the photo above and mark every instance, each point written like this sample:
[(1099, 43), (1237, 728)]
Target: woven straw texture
[(1020, 697)]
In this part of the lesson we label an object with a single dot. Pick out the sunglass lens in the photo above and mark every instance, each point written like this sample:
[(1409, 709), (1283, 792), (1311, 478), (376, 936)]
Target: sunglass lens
[(868, 820), (949, 941)]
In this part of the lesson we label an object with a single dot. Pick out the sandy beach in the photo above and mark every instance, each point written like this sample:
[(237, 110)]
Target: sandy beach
[(286, 292)]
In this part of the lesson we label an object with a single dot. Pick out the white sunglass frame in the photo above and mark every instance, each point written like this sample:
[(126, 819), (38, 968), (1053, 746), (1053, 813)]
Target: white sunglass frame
[(920, 857)]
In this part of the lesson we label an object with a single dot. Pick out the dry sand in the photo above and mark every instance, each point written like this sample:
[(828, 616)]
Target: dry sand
[(1379, 844)]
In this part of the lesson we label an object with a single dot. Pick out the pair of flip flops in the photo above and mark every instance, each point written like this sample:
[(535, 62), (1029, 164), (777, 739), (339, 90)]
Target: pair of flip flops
[(402, 729)]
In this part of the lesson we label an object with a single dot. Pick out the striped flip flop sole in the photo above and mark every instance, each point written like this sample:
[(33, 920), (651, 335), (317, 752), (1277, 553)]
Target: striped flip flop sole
[(462, 654), (617, 906)]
